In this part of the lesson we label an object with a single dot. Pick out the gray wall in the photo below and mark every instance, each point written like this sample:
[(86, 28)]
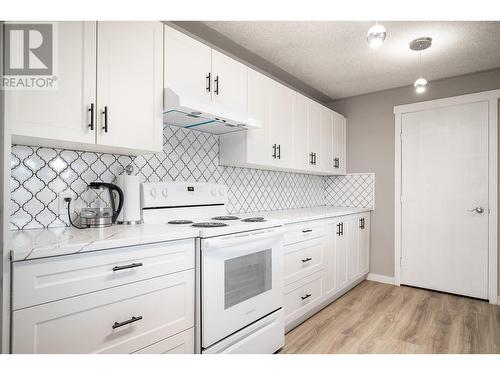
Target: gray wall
[(370, 147)]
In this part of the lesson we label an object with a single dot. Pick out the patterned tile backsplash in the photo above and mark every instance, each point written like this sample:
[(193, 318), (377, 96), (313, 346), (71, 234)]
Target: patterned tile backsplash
[(40, 174)]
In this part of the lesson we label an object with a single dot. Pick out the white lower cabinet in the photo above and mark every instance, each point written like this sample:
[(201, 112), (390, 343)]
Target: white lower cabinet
[(147, 308), (182, 343), (323, 259)]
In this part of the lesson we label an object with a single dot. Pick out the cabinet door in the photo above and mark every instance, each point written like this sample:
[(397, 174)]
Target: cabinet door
[(280, 122), (339, 143), (327, 141), (130, 85), (313, 133), (301, 152), (258, 144), (60, 117), (330, 260), (364, 244), (188, 66), (341, 254), (116, 320), (229, 82), (353, 248)]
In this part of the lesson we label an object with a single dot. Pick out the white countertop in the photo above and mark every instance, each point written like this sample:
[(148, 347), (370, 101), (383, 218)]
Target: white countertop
[(297, 215), (41, 243)]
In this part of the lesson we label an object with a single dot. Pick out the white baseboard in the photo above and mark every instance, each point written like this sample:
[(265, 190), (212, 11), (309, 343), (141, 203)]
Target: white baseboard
[(380, 278)]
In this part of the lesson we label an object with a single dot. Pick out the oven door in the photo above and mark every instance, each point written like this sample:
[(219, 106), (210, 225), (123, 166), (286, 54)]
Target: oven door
[(242, 281)]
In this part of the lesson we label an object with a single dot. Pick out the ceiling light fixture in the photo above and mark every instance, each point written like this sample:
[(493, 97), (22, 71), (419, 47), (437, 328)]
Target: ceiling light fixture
[(376, 35), (419, 45)]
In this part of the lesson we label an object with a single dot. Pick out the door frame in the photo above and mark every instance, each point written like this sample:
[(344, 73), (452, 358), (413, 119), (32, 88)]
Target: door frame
[(493, 103)]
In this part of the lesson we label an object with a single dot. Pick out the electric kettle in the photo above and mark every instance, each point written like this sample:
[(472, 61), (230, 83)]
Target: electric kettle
[(102, 212)]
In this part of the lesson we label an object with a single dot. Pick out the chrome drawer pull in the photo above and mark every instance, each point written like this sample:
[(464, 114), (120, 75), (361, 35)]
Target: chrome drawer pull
[(306, 260), (131, 320), (307, 230), (126, 267), (306, 296)]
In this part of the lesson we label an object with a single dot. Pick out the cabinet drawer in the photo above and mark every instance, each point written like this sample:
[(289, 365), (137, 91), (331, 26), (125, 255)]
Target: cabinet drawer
[(50, 279), (182, 343), (302, 296), (97, 322), (303, 259), (303, 231)]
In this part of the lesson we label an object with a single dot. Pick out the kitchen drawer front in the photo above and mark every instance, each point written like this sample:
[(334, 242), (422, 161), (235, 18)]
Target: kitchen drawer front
[(50, 279), (182, 343), (303, 259), (303, 231), (87, 324), (302, 296)]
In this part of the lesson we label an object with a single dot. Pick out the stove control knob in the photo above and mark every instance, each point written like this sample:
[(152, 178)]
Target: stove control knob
[(221, 192), (153, 192), (214, 192), (164, 192)]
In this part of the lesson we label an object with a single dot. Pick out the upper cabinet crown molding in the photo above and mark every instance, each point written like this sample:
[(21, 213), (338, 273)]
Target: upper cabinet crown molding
[(119, 111)]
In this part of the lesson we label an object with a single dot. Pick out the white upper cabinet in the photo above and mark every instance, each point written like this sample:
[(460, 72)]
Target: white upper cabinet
[(258, 143), (61, 116), (327, 141), (301, 153), (105, 71), (251, 148), (339, 136), (188, 65), (204, 74), (229, 82), (280, 124), (130, 85), (314, 135)]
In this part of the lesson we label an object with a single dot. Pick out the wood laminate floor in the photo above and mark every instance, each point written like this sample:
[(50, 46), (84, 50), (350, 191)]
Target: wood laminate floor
[(382, 318)]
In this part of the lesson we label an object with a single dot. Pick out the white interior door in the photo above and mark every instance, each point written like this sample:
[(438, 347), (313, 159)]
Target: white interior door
[(444, 178)]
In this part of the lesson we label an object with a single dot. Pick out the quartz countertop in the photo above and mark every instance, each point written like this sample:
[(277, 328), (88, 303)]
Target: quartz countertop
[(297, 215), (41, 243)]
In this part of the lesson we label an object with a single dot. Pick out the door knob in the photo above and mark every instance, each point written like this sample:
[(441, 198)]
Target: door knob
[(478, 209)]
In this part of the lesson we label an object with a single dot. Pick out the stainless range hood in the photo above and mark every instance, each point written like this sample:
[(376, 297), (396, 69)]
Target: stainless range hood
[(205, 116)]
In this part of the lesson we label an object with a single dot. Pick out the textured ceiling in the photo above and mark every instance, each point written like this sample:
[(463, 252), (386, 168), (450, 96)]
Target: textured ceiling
[(334, 57)]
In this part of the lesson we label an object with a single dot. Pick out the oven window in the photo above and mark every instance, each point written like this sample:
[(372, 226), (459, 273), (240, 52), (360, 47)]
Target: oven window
[(246, 277)]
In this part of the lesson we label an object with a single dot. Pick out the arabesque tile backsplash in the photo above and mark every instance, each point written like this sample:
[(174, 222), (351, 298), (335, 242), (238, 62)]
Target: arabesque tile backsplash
[(40, 174)]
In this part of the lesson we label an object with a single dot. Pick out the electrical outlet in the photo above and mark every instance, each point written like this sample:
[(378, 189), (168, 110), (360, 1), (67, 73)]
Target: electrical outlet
[(63, 206)]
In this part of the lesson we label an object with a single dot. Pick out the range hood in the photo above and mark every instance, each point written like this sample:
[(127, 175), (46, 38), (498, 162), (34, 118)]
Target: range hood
[(205, 116)]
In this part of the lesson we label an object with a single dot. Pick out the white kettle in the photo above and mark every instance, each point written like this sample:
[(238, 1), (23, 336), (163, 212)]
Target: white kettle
[(130, 185)]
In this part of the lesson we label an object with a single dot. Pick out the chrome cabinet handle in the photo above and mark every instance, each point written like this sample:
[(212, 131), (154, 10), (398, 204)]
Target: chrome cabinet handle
[(306, 260), (126, 267), (131, 320), (306, 296), (478, 209)]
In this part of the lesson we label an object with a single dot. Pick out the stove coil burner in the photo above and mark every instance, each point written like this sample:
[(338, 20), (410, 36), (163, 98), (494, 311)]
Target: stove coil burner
[(225, 218), (180, 222), (254, 220), (211, 224)]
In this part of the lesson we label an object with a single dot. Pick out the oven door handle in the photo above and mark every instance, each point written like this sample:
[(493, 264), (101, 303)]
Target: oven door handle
[(237, 239)]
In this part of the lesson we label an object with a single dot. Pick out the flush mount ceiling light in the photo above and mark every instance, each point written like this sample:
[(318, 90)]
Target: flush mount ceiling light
[(376, 35), (419, 45)]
